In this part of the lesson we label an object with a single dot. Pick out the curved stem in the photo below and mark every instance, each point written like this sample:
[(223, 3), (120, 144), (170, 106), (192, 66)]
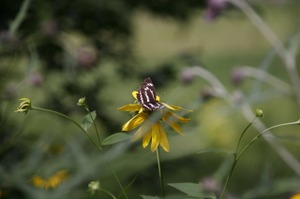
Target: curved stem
[(108, 193), (68, 118), (219, 88), (229, 176), (119, 183), (95, 126), (260, 134), (283, 53), (264, 76), (238, 156), (19, 18), (235, 156), (243, 133)]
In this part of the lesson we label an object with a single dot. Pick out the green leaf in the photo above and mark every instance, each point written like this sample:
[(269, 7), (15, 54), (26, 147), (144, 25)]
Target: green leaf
[(193, 190), (88, 120), (150, 197), (115, 138)]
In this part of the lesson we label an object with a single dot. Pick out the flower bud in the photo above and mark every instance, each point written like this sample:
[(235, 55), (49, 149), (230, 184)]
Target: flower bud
[(81, 101), (94, 186), (24, 106), (259, 113)]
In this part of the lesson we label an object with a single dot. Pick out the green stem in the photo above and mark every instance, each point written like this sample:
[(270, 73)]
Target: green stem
[(229, 176), (19, 18), (108, 193), (95, 126), (264, 131), (160, 174), (119, 183), (238, 156), (68, 118), (243, 133), (235, 156)]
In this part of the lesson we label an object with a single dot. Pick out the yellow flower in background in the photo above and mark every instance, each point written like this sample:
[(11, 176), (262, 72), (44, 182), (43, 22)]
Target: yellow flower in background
[(51, 182), (295, 196), (149, 116)]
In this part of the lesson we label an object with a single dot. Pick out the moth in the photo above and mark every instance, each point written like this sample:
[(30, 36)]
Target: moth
[(147, 96)]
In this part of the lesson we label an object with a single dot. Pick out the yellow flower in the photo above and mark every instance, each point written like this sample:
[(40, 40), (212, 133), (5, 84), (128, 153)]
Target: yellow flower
[(295, 196), (51, 182), (24, 106), (150, 123)]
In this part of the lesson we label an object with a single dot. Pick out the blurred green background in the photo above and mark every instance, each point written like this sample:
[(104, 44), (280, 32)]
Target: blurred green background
[(55, 52)]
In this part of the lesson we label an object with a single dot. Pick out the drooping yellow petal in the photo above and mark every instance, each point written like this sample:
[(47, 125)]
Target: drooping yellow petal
[(168, 114), (164, 143), (174, 107), (134, 122), (146, 139), (130, 107), (155, 136), (173, 125)]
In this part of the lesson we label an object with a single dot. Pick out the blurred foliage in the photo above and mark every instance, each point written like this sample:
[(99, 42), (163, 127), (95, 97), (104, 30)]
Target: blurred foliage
[(60, 51)]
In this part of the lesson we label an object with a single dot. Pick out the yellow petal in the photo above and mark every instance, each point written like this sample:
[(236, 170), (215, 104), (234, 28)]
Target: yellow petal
[(164, 143), (174, 126), (38, 181), (168, 114), (157, 98), (134, 122), (130, 107), (146, 139), (53, 181), (134, 94), (155, 136), (174, 107)]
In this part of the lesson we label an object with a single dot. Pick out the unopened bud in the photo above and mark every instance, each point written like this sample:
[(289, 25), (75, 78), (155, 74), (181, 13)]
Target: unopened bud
[(94, 186), (259, 113), (81, 101)]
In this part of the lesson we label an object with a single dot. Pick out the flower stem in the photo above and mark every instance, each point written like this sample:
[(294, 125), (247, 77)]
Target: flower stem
[(235, 158), (94, 123), (243, 133), (108, 193), (160, 174), (264, 131), (237, 155), (19, 18), (229, 175), (70, 119), (119, 183)]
